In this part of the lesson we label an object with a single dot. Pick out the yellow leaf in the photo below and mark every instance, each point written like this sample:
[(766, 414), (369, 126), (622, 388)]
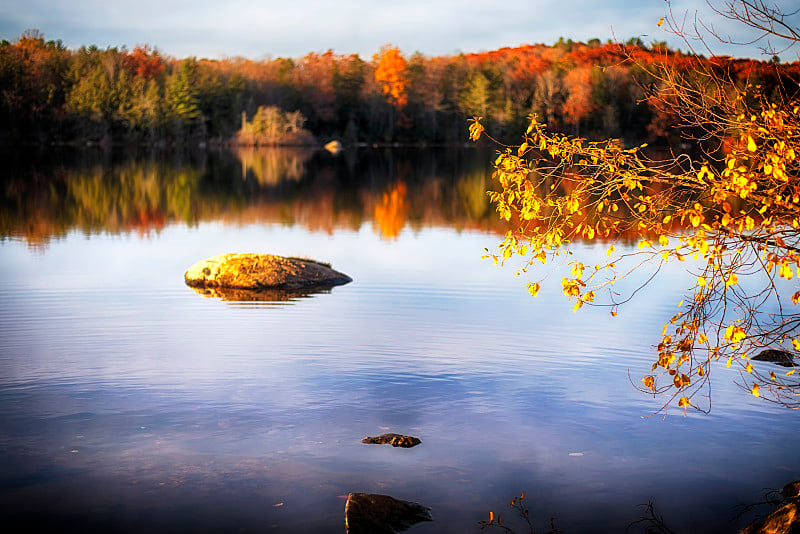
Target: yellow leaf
[(731, 281), (660, 21), (751, 146), (749, 367), (611, 249), (667, 219), (533, 289), (476, 128), (796, 344), (683, 402), (730, 359), (755, 390), (577, 305), (790, 373), (701, 281)]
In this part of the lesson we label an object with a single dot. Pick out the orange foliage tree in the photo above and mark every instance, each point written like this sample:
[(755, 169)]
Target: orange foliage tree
[(391, 74), (732, 215)]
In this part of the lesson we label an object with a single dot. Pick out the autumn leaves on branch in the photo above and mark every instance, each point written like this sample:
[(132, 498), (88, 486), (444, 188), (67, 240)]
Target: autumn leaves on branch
[(732, 212)]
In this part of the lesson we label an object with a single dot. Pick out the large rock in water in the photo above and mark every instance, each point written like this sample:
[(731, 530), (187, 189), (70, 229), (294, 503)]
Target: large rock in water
[(261, 271), (370, 513)]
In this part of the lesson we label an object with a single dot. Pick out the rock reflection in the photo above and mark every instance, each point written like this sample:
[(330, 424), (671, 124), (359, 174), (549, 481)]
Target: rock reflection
[(266, 296)]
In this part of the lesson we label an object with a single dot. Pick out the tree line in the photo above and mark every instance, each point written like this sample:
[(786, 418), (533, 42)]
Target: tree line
[(50, 94)]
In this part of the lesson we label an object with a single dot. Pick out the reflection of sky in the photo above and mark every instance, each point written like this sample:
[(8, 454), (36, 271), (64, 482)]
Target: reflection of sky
[(172, 400)]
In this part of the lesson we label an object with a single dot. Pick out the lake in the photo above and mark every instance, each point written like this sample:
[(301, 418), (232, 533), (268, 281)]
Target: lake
[(131, 403)]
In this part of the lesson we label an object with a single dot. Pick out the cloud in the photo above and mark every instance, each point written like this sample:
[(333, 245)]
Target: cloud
[(254, 29)]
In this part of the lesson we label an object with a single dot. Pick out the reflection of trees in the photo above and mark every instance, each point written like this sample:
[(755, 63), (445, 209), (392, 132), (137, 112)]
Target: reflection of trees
[(390, 214), (272, 166), (46, 197)]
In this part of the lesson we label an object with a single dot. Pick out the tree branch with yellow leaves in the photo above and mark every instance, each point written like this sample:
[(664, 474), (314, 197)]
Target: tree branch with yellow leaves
[(732, 213)]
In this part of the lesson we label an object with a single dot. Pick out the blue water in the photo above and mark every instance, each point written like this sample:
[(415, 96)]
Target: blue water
[(128, 402)]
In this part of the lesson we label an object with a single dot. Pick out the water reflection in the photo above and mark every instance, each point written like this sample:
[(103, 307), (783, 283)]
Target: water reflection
[(272, 166), (390, 215), (128, 403), (46, 195), (265, 296)]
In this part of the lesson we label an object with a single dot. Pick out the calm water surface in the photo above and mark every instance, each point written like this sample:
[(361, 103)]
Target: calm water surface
[(128, 402)]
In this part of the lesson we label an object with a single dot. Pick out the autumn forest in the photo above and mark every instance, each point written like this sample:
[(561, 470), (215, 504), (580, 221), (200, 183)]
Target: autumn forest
[(51, 94)]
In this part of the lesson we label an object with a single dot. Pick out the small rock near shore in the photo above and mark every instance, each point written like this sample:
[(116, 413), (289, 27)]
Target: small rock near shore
[(395, 440)]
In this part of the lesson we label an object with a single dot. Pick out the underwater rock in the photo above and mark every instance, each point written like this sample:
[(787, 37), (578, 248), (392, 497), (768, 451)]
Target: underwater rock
[(370, 513), (395, 440), (784, 520), (781, 357), (262, 271)]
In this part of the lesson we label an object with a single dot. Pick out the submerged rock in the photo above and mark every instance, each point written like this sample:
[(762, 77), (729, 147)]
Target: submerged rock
[(262, 271), (779, 356), (791, 491), (784, 520), (395, 440), (370, 513)]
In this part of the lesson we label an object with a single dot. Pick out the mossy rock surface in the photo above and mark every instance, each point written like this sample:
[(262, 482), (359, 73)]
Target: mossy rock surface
[(262, 271)]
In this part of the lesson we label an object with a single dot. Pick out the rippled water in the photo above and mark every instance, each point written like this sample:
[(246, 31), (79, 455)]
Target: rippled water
[(128, 402)]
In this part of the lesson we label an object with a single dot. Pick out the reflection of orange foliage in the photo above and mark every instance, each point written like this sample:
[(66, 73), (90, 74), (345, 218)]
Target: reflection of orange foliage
[(145, 220), (391, 213)]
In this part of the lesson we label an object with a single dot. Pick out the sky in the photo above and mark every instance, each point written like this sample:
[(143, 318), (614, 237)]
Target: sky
[(259, 29)]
